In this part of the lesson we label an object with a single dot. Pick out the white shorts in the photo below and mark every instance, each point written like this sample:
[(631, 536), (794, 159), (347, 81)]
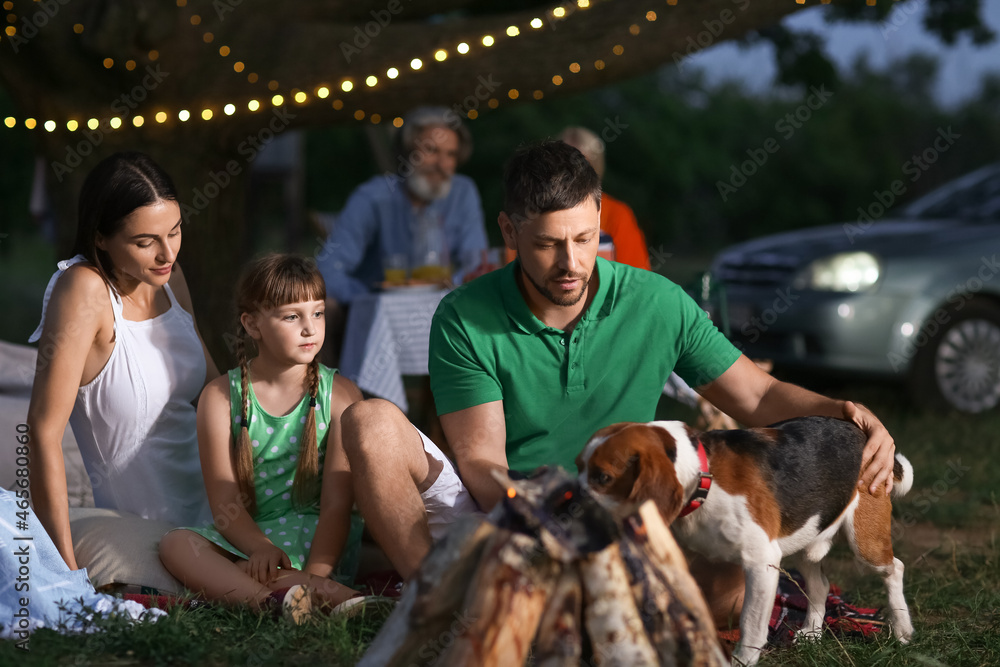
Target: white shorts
[(447, 499)]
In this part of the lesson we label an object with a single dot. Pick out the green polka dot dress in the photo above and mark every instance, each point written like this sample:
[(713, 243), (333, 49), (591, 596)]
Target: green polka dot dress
[(275, 448)]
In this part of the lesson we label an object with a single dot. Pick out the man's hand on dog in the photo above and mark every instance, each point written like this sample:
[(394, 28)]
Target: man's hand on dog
[(878, 457)]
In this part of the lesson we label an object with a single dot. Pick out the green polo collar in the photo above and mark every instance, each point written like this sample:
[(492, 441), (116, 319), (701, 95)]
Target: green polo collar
[(520, 314)]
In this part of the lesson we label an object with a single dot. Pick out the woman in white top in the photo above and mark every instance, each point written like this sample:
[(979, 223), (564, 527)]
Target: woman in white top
[(120, 358)]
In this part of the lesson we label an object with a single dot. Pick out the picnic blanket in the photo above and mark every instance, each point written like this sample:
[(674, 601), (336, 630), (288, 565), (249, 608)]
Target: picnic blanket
[(789, 613)]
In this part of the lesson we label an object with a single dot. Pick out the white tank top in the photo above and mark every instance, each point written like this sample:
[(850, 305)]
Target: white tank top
[(135, 424)]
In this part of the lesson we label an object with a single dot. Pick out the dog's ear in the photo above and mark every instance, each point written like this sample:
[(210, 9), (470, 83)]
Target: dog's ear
[(655, 478)]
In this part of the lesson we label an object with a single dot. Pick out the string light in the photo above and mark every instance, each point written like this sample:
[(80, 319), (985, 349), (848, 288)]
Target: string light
[(10, 121), (93, 123), (323, 91)]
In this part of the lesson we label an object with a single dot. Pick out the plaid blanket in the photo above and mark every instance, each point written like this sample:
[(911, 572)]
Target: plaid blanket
[(790, 606)]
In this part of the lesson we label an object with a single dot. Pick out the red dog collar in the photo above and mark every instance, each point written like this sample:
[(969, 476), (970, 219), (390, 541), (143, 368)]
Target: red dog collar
[(704, 484)]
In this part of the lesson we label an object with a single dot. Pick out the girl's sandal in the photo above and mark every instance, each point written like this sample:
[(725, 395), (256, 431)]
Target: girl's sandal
[(359, 604), (294, 603)]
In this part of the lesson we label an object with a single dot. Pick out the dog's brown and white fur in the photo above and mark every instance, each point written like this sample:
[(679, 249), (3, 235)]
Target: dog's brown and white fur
[(785, 490)]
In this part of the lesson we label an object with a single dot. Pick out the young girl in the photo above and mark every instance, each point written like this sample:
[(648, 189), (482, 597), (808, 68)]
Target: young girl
[(282, 512)]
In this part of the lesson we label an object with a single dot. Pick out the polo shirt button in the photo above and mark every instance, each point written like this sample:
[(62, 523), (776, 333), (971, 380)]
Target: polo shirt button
[(562, 341)]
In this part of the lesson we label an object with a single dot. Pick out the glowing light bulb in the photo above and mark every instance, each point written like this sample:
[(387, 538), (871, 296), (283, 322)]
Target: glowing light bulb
[(72, 125), (396, 122), (138, 121), (488, 40), (559, 12), (229, 109), (253, 105), (416, 63), (462, 48), (392, 72), (536, 23), (277, 100), (347, 86), (371, 81), (115, 123), (301, 97), (206, 114), (512, 31), (93, 123), (183, 115), (322, 92), (50, 126), (161, 116), (440, 55)]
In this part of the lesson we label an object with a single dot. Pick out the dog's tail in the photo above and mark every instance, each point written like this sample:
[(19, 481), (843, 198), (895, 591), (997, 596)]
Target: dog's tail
[(902, 476)]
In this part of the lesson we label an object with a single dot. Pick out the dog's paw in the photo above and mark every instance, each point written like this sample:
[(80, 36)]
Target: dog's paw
[(745, 656), (808, 634)]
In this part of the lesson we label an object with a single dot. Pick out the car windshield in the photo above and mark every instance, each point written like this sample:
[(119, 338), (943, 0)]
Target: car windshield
[(975, 196)]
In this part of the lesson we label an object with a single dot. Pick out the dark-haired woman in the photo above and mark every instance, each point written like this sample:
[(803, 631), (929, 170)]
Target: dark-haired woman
[(120, 358)]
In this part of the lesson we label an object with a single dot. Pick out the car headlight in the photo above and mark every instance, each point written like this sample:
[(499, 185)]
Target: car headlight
[(844, 272)]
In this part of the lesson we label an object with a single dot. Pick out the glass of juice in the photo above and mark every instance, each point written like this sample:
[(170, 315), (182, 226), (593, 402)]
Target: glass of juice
[(394, 267)]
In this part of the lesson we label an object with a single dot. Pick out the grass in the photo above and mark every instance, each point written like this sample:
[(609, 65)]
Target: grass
[(950, 549)]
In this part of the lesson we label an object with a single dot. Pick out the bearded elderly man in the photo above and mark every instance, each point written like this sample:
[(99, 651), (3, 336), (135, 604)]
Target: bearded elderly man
[(381, 216), (529, 361)]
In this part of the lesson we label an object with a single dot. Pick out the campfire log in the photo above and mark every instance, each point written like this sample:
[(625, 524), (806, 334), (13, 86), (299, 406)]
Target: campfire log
[(551, 578)]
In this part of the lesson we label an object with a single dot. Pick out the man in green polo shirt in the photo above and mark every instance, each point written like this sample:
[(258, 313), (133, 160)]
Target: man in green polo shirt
[(527, 362), (558, 385)]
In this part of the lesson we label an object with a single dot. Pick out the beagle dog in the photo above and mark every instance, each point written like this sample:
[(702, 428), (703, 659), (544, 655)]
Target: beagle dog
[(753, 497)]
